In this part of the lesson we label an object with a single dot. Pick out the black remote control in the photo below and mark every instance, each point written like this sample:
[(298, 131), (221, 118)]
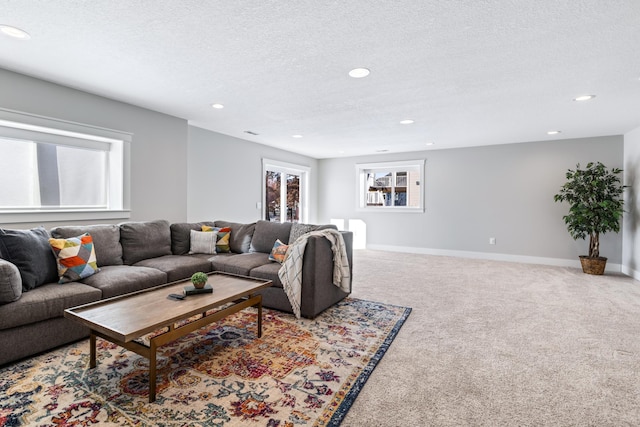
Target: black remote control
[(177, 296)]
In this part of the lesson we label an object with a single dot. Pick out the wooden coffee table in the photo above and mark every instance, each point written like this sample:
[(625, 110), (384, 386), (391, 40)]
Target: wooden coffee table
[(126, 318)]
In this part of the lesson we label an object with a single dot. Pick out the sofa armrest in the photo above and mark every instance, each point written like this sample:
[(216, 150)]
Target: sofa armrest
[(347, 236), (318, 290)]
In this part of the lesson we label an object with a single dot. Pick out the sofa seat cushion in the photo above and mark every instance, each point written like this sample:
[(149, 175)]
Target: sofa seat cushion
[(47, 301), (241, 264), (178, 267), (106, 240), (114, 280), (268, 272)]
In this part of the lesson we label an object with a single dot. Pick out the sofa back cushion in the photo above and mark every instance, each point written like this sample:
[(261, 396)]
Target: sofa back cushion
[(181, 235), (29, 250), (144, 240), (240, 237), (267, 233), (106, 240)]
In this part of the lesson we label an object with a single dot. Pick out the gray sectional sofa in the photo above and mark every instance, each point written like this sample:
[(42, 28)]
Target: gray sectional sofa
[(137, 255)]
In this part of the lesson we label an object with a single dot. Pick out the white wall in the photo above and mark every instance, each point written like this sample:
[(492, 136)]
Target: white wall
[(225, 177), (472, 194), (158, 167), (631, 222)]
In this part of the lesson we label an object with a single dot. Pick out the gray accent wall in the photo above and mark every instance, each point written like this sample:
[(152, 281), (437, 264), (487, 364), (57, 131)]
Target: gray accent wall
[(184, 173), (158, 157), (631, 222), (225, 177), (472, 194)]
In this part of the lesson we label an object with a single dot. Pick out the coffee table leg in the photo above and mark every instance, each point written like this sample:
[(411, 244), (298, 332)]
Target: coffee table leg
[(152, 372), (260, 318), (92, 350)]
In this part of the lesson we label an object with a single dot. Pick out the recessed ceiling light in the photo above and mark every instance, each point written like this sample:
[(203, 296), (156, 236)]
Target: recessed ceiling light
[(584, 97), (14, 32), (381, 151), (406, 122), (358, 73), (217, 106), (553, 132), (430, 143), (296, 136)]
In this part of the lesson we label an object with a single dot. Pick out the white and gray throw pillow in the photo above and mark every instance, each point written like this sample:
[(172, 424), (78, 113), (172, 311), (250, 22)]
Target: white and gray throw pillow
[(203, 242)]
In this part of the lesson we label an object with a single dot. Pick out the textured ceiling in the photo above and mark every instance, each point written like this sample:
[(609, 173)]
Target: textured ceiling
[(468, 72)]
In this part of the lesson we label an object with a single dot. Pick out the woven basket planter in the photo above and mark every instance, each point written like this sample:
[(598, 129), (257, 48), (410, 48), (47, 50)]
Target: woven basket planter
[(593, 265)]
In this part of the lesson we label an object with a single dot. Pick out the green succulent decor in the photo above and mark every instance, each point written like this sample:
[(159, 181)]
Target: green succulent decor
[(199, 279), (595, 202)]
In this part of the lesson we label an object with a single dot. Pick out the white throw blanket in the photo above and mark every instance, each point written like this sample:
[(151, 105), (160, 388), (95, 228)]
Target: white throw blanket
[(291, 271)]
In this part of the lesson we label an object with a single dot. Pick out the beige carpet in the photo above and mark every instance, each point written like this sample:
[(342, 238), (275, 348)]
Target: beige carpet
[(501, 344)]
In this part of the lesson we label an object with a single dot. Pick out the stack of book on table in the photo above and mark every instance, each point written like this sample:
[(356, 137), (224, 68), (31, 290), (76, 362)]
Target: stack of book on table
[(192, 290)]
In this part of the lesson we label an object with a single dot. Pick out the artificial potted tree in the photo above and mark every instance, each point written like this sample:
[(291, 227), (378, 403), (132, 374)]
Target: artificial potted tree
[(595, 198)]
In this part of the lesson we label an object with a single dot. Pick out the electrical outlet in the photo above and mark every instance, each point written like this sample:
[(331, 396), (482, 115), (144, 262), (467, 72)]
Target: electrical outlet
[(492, 240)]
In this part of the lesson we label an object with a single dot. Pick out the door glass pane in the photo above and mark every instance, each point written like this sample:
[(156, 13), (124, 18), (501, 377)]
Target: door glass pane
[(272, 205), (293, 198)]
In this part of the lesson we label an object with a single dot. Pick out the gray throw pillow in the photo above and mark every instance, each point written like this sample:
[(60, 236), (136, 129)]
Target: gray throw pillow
[(29, 250), (144, 240), (10, 282)]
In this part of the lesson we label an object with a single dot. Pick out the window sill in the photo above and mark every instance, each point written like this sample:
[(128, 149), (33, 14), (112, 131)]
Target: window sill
[(61, 215), (390, 209)]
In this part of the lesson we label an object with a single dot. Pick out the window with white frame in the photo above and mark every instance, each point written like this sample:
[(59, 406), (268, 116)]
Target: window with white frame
[(50, 166), (391, 186)]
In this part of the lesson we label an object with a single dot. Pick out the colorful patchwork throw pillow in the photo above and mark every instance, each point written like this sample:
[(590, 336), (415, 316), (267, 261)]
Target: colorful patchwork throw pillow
[(279, 252), (224, 237), (76, 257), (203, 242)]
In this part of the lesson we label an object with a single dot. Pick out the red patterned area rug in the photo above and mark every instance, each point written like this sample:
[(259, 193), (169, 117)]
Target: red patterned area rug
[(300, 373)]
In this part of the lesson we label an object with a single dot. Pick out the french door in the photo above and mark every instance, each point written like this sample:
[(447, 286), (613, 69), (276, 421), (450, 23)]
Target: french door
[(284, 188)]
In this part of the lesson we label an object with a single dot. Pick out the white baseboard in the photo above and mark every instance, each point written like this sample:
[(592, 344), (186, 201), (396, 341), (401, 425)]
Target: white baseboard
[(559, 262), (631, 272)]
